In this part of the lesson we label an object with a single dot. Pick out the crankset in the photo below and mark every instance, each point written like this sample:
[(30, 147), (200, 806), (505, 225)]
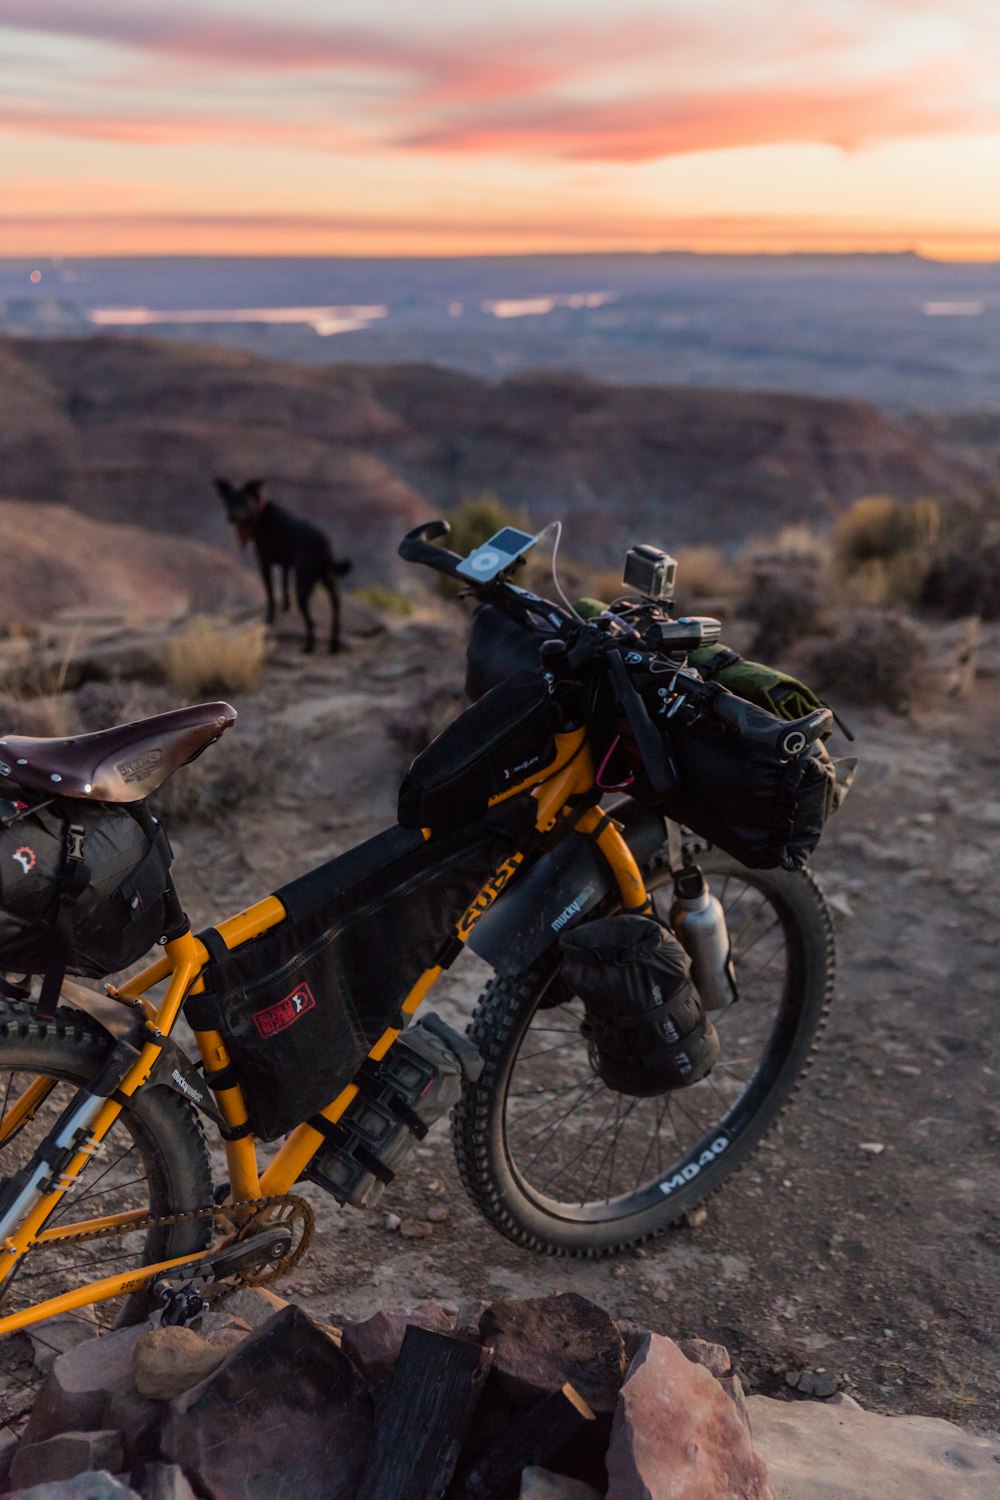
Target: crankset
[(184, 1295)]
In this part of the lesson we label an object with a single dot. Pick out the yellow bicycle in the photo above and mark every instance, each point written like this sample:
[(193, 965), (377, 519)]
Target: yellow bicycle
[(108, 1203)]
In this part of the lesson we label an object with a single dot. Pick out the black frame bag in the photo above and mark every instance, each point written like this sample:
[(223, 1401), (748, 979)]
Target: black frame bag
[(301, 1006), (494, 745)]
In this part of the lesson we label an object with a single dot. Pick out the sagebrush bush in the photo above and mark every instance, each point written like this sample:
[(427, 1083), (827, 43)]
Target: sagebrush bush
[(785, 602), (243, 768), (965, 580), (213, 656), (704, 573), (883, 548), (876, 657)]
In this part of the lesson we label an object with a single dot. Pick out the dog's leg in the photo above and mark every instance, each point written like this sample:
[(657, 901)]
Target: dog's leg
[(330, 584), (286, 602), (265, 573), (305, 582)]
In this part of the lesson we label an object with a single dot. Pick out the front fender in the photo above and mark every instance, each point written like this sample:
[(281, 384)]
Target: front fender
[(559, 891)]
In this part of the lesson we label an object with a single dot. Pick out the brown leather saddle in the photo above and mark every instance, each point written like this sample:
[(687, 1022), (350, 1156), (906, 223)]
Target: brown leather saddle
[(123, 764)]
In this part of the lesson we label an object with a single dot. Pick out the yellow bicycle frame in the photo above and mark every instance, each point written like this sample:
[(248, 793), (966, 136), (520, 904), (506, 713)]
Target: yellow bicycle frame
[(556, 789)]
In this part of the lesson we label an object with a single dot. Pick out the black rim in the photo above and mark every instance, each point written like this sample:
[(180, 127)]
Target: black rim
[(582, 1153)]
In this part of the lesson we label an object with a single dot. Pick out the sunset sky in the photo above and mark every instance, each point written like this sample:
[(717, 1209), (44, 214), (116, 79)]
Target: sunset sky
[(386, 127)]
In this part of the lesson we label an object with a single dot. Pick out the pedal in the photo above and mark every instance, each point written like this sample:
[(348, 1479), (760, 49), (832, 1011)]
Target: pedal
[(184, 1295)]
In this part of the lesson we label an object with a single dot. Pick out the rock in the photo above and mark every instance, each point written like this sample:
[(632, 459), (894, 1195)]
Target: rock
[(373, 1345), (634, 1337), (162, 1482), (812, 1382), (539, 1484), (871, 1148), (714, 1357), (834, 1450), (167, 1361), (285, 1414), (8, 1447), (64, 1456), (733, 1387), (438, 1213), (56, 1335), (391, 1222), (677, 1436), (415, 1229), (77, 1392), (92, 1485), (695, 1217), (541, 1343)]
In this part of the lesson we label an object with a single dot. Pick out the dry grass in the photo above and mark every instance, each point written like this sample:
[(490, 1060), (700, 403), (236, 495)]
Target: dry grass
[(704, 573), (883, 549), (386, 600), (210, 656)]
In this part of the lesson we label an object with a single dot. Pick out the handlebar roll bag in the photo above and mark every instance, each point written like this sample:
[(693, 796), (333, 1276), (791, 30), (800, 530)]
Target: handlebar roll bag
[(764, 811), (301, 1006), (498, 647), (647, 1023), (497, 744)]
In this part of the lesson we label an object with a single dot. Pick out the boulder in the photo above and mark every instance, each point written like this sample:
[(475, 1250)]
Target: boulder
[(93, 1485), (76, 1394), (65, 1456), (162, 1482), (373, 1344), (56, 1335), (285, 1414), (168, 1361), (544, 1342), (540, 1484), (714, 1357), (677, 1435), (835, 1450)]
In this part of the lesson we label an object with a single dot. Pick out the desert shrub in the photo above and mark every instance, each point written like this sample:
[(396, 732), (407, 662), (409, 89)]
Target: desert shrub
[(477, 519), (877, 657), (704, 573), (883, 548), (785, 602), (99, 705), (428, 714), (212, 656), (965, 580), (47, 717), (386, 600), (229, 776)]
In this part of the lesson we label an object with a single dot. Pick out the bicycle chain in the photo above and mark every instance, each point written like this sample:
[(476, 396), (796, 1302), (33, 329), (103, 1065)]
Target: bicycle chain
[(168, 1221)]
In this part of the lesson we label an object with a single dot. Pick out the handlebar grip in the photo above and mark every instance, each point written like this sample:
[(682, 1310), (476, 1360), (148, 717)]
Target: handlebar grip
[(649, 741), (417, 547), (785, 737)]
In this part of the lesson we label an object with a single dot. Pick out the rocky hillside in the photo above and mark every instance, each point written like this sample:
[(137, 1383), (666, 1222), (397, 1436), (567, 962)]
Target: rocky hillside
[(132, 431), (52, 559)]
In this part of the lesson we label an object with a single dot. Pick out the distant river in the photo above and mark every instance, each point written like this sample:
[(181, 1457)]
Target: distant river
[(325, 320)]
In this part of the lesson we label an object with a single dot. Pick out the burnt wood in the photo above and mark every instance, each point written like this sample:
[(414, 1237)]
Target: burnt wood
[(530, 1439), (435, 1388)]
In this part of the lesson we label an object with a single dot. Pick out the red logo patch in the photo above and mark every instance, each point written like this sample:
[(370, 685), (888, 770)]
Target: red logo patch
[(278, 1017)]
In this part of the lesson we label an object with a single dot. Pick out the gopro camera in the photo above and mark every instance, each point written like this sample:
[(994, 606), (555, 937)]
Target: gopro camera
[(495, 556), (650, 572)]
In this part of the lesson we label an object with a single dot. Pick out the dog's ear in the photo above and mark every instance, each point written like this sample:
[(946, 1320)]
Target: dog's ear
[(224, 488), (254, 486)]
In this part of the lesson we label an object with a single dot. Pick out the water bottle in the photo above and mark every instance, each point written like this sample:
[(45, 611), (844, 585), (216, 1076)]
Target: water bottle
[(699, 923)]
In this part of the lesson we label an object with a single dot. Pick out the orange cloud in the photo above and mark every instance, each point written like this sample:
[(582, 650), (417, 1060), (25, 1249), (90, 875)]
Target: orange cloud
[(176, 130)]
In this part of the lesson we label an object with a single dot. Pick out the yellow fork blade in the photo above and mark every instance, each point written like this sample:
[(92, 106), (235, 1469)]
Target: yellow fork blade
[(26, 1107)]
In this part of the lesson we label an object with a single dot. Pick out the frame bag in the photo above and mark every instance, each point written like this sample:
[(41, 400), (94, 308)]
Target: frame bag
[(301, 1006), (493, 746)]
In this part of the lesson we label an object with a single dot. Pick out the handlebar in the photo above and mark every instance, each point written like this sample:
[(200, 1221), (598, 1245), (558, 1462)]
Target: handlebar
[(417, 547), (592, 643)]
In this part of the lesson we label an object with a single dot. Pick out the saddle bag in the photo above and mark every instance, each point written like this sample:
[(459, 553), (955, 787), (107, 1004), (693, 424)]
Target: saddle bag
[(647, 1023), (301, 1006), (83, 886), (493, 746)]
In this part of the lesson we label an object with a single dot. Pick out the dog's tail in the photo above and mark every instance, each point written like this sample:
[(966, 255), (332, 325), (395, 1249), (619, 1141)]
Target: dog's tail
[(342, 568)]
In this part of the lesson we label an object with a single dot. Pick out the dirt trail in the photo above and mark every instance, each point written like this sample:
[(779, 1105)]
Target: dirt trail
[(879, 1266)]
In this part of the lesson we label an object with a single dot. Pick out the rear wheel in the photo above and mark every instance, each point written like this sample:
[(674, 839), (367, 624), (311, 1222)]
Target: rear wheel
[(153, 1162), (560, 1163)]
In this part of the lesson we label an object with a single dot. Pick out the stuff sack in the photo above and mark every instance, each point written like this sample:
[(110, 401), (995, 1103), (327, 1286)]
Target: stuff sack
[(82, 884), (648, 1024), (301, 1006), (493, 746)]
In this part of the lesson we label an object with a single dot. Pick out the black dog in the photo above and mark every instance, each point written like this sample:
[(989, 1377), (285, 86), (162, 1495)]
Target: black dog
[(289, 543)]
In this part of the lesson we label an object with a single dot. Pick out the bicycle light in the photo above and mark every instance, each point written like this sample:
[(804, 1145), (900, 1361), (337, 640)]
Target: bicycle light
[(650, 572)]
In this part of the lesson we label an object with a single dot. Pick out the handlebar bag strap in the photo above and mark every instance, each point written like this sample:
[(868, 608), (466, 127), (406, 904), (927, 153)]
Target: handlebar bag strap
[(646, 1018), (301, 1006), (496, 744)]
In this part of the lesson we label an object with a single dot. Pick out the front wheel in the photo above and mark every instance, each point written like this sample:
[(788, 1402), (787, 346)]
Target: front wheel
[(560, 1163)]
